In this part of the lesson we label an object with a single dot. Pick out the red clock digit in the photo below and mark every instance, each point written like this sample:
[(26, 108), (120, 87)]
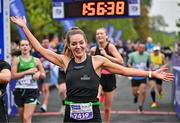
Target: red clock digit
[(88, 9), (110, 8), (120, 8), (100, 8)]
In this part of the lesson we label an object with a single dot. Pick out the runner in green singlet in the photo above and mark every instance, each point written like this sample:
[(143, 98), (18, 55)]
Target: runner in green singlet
[(26, 69)]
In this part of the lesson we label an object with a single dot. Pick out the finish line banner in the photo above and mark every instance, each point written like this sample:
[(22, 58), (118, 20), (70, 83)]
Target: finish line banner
[(17, 9), (5, 49), (176, 90), (1, 31)]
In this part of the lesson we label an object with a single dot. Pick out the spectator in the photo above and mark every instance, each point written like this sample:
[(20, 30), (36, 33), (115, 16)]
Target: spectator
[(140, 60), (157, 59), (26, 69), (149, 45)]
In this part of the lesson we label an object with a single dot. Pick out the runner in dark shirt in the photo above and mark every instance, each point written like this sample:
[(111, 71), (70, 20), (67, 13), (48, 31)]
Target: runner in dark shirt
[(82, 103), (5, 77)]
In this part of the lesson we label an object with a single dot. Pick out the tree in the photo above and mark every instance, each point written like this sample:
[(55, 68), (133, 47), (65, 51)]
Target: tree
[(158, 23), (142, 24), (126, 25), (39, 14), (178, 21), (147, 2), (39, 18)]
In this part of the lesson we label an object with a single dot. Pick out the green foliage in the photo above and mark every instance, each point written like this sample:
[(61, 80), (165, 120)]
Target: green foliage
[(141, 24), (41, 23), (157, 23), (39, 16), (126, 25), (14, 33), (146, 2), (164, 39)]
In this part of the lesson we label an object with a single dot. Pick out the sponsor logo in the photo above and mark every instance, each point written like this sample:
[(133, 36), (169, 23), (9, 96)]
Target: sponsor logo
[(85, 77)]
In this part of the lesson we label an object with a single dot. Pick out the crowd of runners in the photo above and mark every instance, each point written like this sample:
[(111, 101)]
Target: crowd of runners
[(84, 73)]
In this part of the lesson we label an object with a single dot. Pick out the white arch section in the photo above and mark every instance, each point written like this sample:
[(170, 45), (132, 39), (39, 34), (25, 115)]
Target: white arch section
[(7, 36)]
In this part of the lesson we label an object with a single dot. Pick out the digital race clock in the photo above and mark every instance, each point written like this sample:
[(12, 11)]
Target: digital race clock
[(67, 9)]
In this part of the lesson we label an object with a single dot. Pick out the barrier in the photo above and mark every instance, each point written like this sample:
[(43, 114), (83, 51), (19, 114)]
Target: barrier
[(176, 91), (11, 107)]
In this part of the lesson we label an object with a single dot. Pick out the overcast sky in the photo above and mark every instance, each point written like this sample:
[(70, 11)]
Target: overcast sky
[(169, 10)]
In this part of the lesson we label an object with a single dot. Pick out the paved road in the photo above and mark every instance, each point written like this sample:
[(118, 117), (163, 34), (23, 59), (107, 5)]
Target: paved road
[(123, 109)]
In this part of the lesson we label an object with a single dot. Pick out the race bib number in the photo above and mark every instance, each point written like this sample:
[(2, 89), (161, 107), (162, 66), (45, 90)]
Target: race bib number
[(26, 80), (82, 111), (155, 67), (141, 66)]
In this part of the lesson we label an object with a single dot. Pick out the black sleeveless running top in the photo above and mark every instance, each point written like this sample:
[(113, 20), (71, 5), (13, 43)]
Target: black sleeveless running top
[(82, 82), (97, 52), (106, 49)]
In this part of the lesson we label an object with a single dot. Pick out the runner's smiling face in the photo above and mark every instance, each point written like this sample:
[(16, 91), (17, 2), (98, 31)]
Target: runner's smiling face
[(101, 35), (78, 45)]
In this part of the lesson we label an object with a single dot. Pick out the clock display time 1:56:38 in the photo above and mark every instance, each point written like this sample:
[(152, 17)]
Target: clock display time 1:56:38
[(97, 8)]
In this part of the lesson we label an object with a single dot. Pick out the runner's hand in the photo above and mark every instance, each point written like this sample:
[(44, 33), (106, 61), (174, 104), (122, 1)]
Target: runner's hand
[(32, 71), (19, 21), (36, 76), (161, 74), (102, 51)]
